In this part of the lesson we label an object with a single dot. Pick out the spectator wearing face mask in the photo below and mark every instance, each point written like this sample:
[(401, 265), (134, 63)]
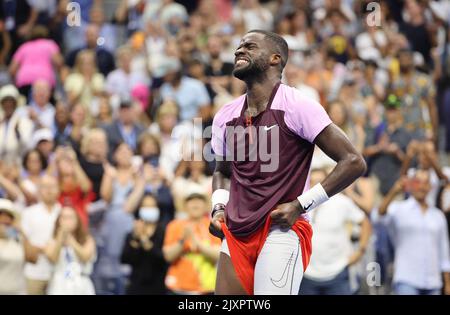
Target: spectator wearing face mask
[(143, 250), (154, 179)]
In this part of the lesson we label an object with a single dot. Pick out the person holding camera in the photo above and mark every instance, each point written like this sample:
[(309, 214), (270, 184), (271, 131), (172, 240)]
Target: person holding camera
[(420, 237), (143, 250)]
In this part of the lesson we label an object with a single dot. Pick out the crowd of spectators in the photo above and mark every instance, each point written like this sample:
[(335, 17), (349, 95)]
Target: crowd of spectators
[(104, 184)]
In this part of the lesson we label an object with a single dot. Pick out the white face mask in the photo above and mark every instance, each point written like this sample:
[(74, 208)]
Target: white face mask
[(149, 214)]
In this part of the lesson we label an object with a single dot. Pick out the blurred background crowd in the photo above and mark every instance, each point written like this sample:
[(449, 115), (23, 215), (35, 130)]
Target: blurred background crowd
[(99, 193)]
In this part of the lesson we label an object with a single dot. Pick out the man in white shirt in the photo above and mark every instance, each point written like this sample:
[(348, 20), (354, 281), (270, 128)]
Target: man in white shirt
[(38, 223), (40, 111), (122, 80), (332, 249), (420, 236)]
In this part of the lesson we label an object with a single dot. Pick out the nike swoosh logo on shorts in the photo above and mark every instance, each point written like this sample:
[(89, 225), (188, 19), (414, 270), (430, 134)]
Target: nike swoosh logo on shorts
[(278, 283), (268, 128)]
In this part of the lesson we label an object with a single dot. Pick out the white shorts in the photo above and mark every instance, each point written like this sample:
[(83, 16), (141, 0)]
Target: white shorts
[(279, 267)]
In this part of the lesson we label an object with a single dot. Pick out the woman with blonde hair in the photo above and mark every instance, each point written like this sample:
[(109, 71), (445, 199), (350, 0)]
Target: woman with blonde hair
[(92, 157), (85, 83), (75, 186), (175, 136)]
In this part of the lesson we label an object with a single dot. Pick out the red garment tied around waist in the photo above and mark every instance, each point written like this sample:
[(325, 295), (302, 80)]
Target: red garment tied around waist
[(244, 251)]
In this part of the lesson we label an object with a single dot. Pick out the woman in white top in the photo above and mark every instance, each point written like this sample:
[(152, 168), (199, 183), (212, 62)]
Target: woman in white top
[(15, 250), (34, 164), (72, 251)]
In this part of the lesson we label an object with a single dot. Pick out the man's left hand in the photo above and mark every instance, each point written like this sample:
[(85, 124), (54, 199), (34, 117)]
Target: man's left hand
[(286, 214)]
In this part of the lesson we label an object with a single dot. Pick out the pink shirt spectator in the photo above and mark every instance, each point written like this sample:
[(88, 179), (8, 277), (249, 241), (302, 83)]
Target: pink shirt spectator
[(35, 62)]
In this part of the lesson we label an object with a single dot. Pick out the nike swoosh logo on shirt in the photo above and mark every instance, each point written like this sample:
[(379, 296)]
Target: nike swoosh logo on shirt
[(268, 128)]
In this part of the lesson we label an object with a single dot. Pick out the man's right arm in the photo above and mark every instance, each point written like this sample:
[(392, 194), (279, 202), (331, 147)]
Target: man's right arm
[(222, 174), (220, 186)]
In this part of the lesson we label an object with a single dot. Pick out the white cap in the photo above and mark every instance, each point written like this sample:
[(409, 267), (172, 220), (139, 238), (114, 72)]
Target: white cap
[(167, 65), (9, 90), (41, 135), (369, 53), (7, 206)]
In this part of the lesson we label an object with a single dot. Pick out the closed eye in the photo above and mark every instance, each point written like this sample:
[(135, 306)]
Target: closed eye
[(248, 46)]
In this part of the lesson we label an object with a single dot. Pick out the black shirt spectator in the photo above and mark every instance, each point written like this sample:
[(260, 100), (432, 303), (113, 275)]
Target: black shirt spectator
[(149, 267)]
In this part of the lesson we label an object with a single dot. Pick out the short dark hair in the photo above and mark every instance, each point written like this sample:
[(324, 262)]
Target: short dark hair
[(195, 196), (278, 42)]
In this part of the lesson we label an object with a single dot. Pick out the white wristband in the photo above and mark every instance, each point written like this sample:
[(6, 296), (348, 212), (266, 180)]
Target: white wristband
[(313, 198), (220, 196)]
